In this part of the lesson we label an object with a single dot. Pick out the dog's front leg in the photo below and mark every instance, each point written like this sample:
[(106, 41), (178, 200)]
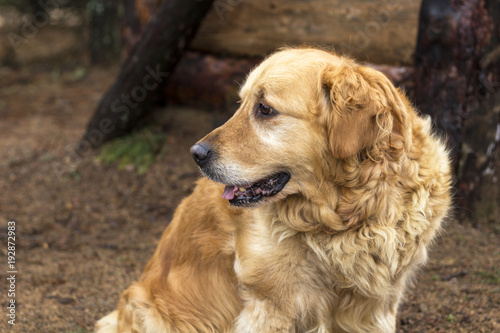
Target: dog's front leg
[(269, 275), (262, 316), (265, 305)]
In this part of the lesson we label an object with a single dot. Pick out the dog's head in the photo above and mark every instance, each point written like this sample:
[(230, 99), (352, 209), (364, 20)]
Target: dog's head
[(302, 111)]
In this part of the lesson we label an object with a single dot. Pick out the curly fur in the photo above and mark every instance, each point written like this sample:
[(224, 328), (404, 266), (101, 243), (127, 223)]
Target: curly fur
[(335, 249)]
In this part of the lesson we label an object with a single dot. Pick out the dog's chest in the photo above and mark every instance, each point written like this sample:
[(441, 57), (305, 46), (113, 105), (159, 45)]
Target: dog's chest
[(275, 262)]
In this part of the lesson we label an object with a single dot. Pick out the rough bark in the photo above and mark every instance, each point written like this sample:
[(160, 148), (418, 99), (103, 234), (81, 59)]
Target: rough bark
[(479, 183), (146, 69), (457, 73), (136, 17)]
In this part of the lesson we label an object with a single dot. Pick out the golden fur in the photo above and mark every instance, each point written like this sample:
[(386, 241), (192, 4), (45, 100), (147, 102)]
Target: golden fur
[(331, 252)]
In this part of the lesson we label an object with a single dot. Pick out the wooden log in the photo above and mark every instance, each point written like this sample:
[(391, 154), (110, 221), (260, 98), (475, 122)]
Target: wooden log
[(381, 32), (147, 68), (207, 81)]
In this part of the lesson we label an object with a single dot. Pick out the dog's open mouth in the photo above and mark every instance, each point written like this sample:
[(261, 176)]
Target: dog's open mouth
[(253, 193)]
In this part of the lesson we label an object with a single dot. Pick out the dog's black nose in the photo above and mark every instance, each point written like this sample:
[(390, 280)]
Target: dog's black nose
[(201, 152)]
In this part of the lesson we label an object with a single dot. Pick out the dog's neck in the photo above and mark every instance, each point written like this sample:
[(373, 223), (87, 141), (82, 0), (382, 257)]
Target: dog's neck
[(342, 199)]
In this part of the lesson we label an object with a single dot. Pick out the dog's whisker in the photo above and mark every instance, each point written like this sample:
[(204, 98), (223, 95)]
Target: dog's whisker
[(250, 186)]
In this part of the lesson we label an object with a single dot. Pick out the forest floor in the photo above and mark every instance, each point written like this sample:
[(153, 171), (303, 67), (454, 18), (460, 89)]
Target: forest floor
[(83, 236)]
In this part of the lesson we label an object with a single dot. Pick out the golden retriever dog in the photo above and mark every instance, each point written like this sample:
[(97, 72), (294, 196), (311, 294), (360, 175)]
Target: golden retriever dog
[(322, 194)]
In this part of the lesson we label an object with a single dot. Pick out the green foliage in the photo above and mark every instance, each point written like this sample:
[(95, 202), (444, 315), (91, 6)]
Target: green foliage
[(74, 174), (78, 330), (138, 150), (451, 318), (490, 277)]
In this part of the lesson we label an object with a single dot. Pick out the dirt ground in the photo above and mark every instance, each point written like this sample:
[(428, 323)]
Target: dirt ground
[(82, 237)]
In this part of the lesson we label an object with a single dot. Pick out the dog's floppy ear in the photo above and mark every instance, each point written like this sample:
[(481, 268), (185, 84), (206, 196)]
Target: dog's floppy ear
[(364, 107)]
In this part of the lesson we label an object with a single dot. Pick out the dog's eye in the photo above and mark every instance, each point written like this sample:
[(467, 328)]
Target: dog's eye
[(266, 110)]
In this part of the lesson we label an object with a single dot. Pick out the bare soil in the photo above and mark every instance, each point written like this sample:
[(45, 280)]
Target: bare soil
[(84, 236)]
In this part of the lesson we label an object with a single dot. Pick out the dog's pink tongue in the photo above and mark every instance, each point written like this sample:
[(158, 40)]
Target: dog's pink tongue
[(229, 192)]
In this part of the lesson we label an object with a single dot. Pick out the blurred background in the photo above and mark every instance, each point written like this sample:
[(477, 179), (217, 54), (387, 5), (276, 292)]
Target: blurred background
[(100, 102)]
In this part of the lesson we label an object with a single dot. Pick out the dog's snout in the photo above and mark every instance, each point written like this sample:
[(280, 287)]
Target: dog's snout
[(201, 153)]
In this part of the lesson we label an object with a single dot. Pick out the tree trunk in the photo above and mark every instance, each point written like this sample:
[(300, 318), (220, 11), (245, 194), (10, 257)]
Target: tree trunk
[(457, 78), (136, 18), (105, 46), (147, 67)]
